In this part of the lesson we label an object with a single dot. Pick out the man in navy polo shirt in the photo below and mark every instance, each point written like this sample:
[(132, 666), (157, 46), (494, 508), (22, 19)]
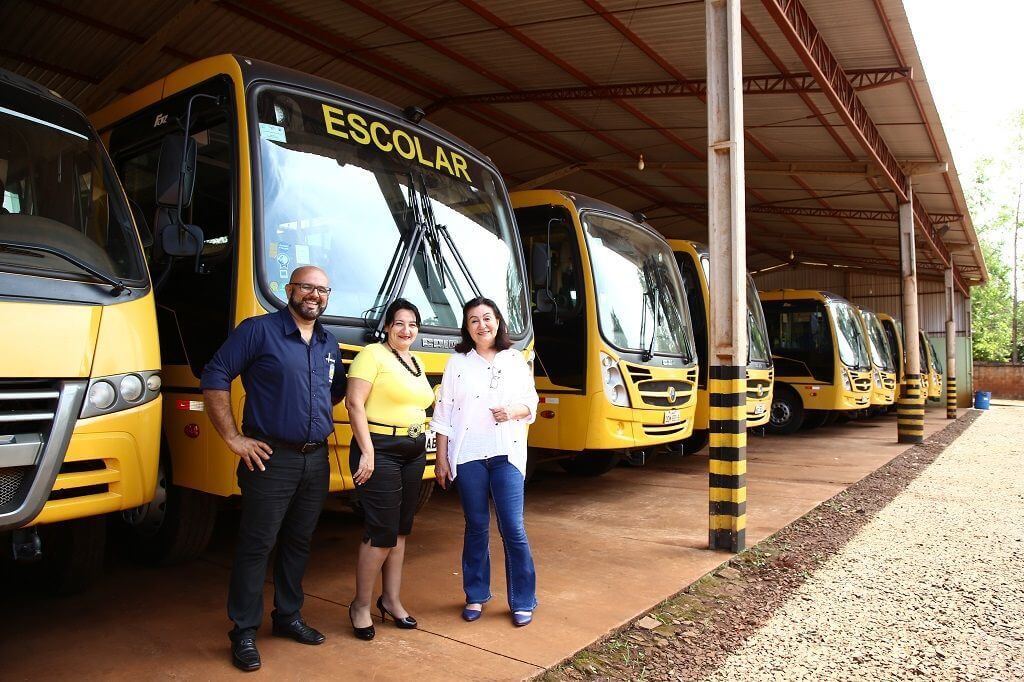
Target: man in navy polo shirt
[(292, 374)]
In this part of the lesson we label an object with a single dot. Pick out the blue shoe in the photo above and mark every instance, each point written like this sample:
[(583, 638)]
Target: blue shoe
[(470, 615), (521, 618)]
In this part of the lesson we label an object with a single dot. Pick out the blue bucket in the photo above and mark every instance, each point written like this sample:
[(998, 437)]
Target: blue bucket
[(982, 399)]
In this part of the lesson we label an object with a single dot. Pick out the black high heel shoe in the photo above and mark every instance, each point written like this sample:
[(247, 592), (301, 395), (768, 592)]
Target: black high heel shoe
[(366, 633), (407, 623)]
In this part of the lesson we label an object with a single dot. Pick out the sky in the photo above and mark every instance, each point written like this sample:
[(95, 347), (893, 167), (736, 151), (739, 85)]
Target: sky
[(973, 55)]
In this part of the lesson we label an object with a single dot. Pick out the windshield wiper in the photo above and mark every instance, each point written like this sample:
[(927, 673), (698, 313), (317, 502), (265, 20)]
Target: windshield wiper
[(425, 235), (119, 286), (653, 291)]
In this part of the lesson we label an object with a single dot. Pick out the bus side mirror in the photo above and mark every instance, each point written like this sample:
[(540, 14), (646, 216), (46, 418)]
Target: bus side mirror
[(175, 180), (183, 242), (539, 265), (176, 168)]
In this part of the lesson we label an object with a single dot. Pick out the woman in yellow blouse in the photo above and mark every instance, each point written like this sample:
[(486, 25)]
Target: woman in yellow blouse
[(387, 397)]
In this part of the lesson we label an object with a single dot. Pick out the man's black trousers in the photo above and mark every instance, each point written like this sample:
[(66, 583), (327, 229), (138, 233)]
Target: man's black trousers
[(281, 504)]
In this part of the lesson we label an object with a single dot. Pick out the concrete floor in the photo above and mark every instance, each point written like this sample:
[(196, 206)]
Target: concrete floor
[(607, 549)]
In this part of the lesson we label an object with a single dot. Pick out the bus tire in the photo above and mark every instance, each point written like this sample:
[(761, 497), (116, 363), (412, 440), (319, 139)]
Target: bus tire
[(590, 462), (814, 419), (73, 554), (696, 442), (787, 411), (176, 526)]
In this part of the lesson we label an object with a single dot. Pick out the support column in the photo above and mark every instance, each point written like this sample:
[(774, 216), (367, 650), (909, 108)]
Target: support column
[(727, 382), (950, 346), (910, 410)]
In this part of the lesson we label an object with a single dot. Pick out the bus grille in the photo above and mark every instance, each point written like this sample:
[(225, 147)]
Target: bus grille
[(862, 384), (12, 487), (758, 389), (659, 430), (888, 383), (27, 409), (661, 392)]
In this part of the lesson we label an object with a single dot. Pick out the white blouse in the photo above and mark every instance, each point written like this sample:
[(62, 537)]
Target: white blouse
[(469, 388)]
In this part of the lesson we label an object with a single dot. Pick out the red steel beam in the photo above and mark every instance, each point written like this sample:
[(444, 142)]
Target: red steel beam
[(816, 212), (801, 33), (752, 85)]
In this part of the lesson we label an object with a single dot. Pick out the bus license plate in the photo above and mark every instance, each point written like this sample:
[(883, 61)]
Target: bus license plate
[(431, 440), (759, 409), (672, 416)]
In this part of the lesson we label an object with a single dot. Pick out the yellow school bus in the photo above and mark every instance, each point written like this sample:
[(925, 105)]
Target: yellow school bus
[(821, 357), (289, 170), (615, 362), (883, 372), (694, 266), (79, 360), (931, 369), (894, 335)]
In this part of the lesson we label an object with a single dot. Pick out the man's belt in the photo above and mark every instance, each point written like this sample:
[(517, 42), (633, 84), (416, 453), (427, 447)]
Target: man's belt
[(304, 448), (413, 430)]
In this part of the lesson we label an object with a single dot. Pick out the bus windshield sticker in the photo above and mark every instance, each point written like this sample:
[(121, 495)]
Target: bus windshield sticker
[(391, 139), (269, 131)]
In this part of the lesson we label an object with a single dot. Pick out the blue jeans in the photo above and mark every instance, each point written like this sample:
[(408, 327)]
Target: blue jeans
[(495, 478)]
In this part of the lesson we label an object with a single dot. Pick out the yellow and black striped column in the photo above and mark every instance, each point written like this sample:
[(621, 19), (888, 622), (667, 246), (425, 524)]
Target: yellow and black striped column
[(910, 411), (951, 397), (727, 457)]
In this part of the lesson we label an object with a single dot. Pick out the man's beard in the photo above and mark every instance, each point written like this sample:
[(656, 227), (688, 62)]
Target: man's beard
[(296, 305)]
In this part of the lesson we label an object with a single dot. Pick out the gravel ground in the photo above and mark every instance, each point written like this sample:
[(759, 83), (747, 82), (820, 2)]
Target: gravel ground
[(929, 575), (932, 588)]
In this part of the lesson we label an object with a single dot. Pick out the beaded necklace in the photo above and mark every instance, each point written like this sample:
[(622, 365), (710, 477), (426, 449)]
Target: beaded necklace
[(417, 372)]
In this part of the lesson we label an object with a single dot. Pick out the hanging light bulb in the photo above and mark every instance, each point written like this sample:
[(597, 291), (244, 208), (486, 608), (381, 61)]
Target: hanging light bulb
[(640, 162)]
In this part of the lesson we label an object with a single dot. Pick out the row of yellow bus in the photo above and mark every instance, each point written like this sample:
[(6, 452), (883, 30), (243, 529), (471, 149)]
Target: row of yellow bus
[(121, 274)]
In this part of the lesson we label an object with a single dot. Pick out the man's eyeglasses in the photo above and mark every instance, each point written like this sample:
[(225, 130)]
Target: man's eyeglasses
[(310, 288)]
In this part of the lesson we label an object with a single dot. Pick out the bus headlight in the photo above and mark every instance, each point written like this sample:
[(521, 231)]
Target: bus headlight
[(612, 381), (847, 384), (120, 392), (131, 388), (876, 377), (102, 395)]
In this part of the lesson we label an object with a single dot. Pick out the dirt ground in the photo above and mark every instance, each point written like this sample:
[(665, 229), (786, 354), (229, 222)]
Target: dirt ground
[(689, 635)]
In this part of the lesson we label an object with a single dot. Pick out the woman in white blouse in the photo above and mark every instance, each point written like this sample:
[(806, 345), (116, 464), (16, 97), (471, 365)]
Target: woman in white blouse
[(484, 408)]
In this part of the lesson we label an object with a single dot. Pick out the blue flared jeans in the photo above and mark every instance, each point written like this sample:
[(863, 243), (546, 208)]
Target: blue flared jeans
[(477, 482)]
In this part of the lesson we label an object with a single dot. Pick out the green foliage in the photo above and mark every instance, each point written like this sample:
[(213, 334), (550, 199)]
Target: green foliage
[(994, 199), (992, 309)]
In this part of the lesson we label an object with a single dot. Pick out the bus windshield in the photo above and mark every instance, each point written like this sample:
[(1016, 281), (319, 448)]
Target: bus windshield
[(63, 215), (853, 348), (639, 294), (758, 351), (385, 210), (881, 354)]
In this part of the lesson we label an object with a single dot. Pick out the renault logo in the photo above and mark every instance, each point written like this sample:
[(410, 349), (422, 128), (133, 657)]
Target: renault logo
[(760, 391), (671, 394)]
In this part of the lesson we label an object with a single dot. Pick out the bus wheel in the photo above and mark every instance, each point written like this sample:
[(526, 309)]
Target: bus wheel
[(696, 442), (591, 462), (814, 418), (73, 554), (176, 526), (787, 411)]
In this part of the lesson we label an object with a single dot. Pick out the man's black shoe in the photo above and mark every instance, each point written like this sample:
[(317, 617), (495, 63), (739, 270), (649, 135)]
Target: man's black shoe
[(245, 655), (298, 631)]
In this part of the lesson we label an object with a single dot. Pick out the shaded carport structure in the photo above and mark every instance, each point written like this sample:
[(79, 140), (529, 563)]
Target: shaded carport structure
[(836, 131)]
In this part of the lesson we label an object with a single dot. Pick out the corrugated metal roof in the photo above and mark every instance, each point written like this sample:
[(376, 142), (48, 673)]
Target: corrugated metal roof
[(422, 51)]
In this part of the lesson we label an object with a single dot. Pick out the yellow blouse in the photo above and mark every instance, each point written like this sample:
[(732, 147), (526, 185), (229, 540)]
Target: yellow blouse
[(397, 398)]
